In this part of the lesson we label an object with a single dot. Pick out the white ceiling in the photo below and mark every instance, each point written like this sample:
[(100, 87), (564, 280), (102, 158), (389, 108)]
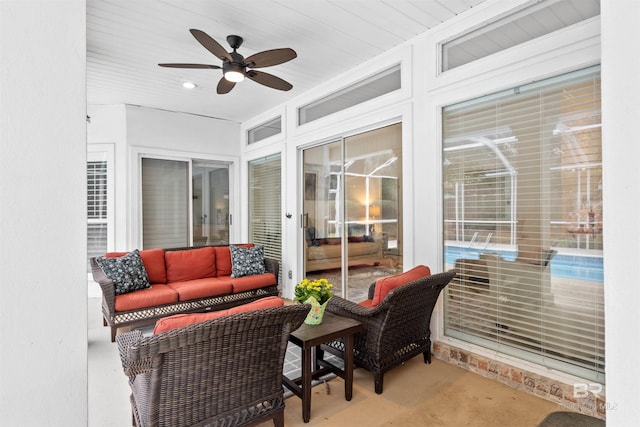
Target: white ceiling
[(126, 39)]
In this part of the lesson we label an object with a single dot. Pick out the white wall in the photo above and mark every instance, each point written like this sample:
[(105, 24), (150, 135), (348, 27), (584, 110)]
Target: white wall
[(136, 131), (107, 136), (621, 181), (43, 282), (167, 130)]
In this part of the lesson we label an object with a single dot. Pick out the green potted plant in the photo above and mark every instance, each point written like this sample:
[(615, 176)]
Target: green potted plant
[(316, 293)]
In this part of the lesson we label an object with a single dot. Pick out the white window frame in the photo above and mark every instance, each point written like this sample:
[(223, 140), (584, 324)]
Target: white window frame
[(106, 152), (134, 237), (567, 50)]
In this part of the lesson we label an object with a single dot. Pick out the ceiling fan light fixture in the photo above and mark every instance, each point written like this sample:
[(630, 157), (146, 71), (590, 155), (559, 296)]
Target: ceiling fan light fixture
[(233, 72), (234, 76)]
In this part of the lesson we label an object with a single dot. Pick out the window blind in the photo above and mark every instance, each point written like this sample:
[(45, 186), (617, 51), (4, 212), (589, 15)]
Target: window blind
[(96, 208), (265, 215), (165, 203), (522, 186)]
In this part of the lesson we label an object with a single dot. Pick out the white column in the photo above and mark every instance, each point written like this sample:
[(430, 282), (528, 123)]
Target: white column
[(43, 276), (621, 180)]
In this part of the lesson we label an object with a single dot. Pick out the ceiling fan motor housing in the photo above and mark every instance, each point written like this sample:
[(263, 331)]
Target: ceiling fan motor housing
[(234, 41)]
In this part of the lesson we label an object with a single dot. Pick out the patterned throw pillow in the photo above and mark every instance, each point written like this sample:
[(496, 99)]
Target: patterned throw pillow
[(127, 272), (247, 261)]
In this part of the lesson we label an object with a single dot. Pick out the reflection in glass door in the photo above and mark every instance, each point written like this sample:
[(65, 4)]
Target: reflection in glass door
[(352, 210), (322, 212), (210, 204)]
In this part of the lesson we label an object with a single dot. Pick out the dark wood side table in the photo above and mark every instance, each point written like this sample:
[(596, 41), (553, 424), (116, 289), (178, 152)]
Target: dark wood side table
[(308, 337)]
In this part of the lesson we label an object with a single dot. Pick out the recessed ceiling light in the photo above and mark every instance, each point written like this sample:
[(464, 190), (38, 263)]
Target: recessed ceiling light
[(189, 85)]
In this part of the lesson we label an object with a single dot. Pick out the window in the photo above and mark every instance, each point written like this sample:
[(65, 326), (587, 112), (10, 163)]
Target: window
[(265, 213), (165, 203), (522, 210), (384, 82), (534, 19), (264, 130), (96, 208)]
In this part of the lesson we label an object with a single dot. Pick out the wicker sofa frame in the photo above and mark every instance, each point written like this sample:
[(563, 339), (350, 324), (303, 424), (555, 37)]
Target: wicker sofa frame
[(394, 331), (221, 372), (148, 315)]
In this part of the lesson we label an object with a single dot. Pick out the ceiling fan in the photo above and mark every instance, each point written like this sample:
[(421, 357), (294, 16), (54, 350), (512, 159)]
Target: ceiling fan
[(236, 67)]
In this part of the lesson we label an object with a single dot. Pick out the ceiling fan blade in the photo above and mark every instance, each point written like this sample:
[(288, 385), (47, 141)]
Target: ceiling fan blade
[(214, 67), (270, 57), (269, 80), (225, 86), (211, 45)]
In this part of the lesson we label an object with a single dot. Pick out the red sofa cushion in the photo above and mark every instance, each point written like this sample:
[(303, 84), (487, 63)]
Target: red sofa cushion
[(153, 260), (387, 284), (201, 288), (157, 294), (180, 320), (190, 264), (223, 258)]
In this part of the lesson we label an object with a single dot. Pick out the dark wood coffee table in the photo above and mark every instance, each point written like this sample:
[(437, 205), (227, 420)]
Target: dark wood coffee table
[(308, 337)]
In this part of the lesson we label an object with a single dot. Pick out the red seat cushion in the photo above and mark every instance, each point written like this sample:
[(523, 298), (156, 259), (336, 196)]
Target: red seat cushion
[(387, 284), (201, 288), (157, 294), (223, 258), (153, 260), (180, 320), (247, 283), (190, 264)]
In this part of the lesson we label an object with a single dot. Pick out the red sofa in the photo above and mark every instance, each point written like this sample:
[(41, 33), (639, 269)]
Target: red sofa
[(182, 280)]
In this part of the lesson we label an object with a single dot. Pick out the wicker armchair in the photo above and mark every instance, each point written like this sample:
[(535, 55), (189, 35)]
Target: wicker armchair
[(221, 372), (395, 330)]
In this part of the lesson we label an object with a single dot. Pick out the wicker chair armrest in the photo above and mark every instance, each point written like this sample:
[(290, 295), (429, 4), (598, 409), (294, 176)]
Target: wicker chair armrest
[(343, 307), (106, 284), (125, 342)]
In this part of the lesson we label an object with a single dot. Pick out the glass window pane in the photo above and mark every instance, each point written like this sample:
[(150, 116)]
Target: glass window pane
[(384, 82), (352, 210), (210, 203), (165, 203), (522, 186), (533, 20), (265, 130), (265, 213), (96, 208)]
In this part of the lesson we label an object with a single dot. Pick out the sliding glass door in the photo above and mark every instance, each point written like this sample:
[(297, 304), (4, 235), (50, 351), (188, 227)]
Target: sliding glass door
[(210, 204), (184, 202), (352, 210)]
